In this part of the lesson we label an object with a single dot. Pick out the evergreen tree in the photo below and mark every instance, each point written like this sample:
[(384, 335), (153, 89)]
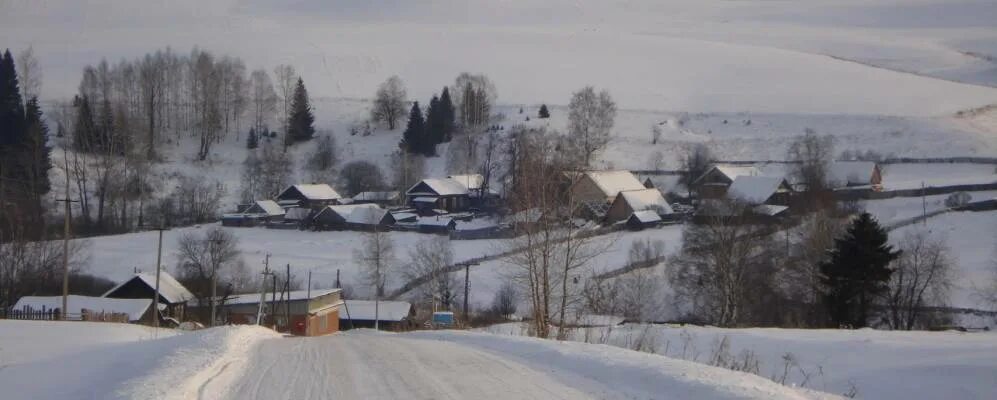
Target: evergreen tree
[(413, 139), (447, 115), (35, 156), (11, 105), (544, 113), (434, 122), (84, 135), (253, 139), (856, 272), (301, 122)]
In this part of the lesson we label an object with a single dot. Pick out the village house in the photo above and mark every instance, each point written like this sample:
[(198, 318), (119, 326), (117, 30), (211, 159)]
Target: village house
[(714, 182), (602, 186), (83, 308), (756, 190), (643, 219), (438, 194), (310, 315), (855, 174), (391, 315), (173, 296), (259, 212), (630, 201), (313, 196), (353, 216), (383, 199)]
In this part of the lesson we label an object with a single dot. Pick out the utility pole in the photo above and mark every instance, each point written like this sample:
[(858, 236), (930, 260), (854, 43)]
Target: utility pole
[(308, 301), (214, 284), (287, 303), (467, 288), (263, 290), (159, 260), (65, 249), (924, 206)]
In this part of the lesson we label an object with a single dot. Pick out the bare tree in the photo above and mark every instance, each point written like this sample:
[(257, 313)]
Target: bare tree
[(389, 102), (490, 162), (206, 89), (321, 163), (377, 257), (922, 276), (409, 169), (431, 257), (252, 179), (29, 74), (504, 302), (360, 176), (987, 293), (473, 97), (721, 260), (196, 200), (656, 133), (264, 100), (286, 78), (695, 162), (812, 155), (806, 248), (153, 80), (276, 170), (201, 259), (590, 119), (34, 267)]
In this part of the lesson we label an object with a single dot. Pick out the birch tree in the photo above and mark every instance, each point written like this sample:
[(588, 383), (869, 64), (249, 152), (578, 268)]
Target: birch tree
[(590, 118)]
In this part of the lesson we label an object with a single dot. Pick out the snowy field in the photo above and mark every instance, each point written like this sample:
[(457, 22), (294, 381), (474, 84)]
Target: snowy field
[(881, 365), (890, 211), (254, 363)]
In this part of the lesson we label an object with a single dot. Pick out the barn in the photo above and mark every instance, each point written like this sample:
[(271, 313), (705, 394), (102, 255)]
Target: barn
[(714, 182), (173, 296), (757, 190), (631, 201), (353, 216), (602, 186)]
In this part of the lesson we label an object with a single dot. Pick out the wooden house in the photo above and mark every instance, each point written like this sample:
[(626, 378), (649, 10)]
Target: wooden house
[(312, 314), (855, 174), (312, 196), (601, 186), (631, 201), (714, 182), (353, 216), (173, 296), (755, 190), (438, 193)]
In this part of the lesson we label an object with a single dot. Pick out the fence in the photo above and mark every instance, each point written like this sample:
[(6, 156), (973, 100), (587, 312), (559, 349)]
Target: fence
[(869, 194), (54, 314)]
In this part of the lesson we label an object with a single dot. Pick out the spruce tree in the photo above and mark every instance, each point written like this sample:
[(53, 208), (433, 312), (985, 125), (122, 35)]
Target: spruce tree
[(447, 115), (544, 113), (413, 139), (301, 122), (253, 139), (34, 153), (856, 272), (11, 105), (434, 122), (85, 133)]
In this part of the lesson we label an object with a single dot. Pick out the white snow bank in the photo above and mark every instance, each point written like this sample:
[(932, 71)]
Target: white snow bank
[(880, 364), (175, 367), (611, 372), (32, 341)]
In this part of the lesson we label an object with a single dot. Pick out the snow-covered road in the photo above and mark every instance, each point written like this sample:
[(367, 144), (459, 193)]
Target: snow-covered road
[(372, 366)]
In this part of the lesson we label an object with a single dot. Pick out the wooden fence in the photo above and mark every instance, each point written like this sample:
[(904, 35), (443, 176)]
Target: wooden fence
[(54, 314)]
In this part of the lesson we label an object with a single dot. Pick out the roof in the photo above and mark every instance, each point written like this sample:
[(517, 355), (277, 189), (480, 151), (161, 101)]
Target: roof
[(297, 213), (363, 310), (435, 221), (135, 308), (270, 207), (754, 189), (470, 181), (315, 191), (732, 171), (376, 196), (169, 288), (294, 295), (665, 183), (441, 187), (852, 172), (613, 182), (646, 216), (357, 213), (646, 199), (769, 210)]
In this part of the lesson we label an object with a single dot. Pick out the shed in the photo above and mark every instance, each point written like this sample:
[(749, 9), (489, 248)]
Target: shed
[(89, 308), (441, 225), (308, 196), (391, 315), (630, 201), (643, 219), (173, 296)]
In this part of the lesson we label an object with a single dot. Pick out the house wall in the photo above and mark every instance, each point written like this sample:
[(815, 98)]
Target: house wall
[(619, 211), (136, 289), (586, 190)]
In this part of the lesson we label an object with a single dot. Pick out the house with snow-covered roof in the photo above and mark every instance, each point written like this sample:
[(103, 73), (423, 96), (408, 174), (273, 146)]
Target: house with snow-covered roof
[(756, 190), (855, 174), (173, 296), (631, 201), (601, 186), (312, 312), (390, 315), (353, 216), (714, 182), (308, 196), (438, 193)]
